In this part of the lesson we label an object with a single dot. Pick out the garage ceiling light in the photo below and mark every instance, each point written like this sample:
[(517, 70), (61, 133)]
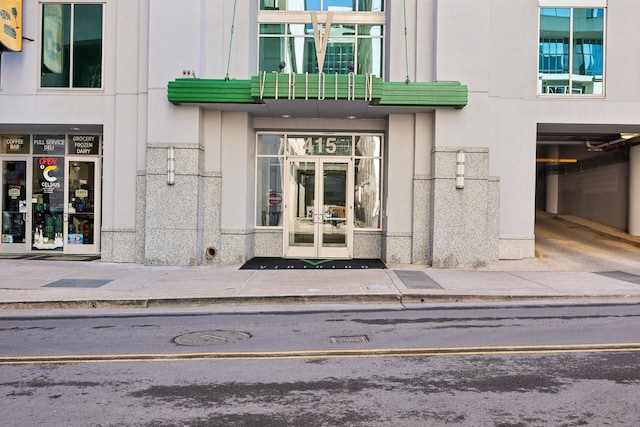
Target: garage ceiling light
[(629, 135)]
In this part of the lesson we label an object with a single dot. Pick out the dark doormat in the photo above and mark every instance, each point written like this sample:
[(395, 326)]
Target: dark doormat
[(52, 257), (311, 264), (66, 257), (70, 258)]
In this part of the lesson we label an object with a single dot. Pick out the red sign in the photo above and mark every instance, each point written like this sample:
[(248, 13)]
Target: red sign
[(275, 198)]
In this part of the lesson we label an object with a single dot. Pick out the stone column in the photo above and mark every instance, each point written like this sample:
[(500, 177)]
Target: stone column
[(634, 191), (553, 151), (465, 212)]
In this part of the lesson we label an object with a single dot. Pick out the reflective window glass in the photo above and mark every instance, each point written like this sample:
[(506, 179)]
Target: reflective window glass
[(71, 34), (351, 45), (269, 191), (271, 145), (271, 53), (369, 50), (273, 4), (339, 5), (333, 5), (365, 153), (56, 45), (340, 54), (369, 146), (367, 194), (371, 5), (571, 51), (588, 35)]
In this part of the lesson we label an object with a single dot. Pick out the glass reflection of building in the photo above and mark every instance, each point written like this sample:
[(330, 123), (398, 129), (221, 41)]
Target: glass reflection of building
[(351, 47), (571, 51)]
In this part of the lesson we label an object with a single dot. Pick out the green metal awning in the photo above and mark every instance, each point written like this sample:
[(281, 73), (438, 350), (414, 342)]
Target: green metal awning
[(317, 95)]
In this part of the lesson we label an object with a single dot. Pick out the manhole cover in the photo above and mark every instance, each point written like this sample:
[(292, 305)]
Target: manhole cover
[(349, 339), (216, 337)]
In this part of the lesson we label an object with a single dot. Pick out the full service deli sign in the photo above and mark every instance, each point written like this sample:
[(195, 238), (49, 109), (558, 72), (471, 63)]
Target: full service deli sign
[(48, 144)]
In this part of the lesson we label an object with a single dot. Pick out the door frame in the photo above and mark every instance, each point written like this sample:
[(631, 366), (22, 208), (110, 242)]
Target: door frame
[(83, 249), (21, 248), (318, 250)]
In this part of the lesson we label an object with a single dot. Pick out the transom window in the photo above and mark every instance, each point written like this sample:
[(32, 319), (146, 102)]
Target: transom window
[(72, 36), (298, 33), (571, 51), (341, 5)]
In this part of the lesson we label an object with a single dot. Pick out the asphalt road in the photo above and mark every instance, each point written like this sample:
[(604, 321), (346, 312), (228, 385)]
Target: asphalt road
[(461, 366)]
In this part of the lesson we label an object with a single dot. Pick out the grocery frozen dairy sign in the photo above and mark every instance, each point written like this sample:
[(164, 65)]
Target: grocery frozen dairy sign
[(11, 25)]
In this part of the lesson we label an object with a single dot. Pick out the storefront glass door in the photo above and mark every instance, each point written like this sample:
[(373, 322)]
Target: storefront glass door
[(14, 188), (47, 203), (318, 209), (82, 200)]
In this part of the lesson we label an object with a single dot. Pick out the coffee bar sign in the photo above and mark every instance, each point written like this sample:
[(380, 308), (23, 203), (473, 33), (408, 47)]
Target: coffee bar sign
[(15, 144)]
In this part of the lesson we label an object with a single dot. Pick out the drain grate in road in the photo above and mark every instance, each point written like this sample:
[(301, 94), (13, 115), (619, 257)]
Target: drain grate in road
[(214, 337), (349, 339), (417, 279), (621, 275), (78, 283)]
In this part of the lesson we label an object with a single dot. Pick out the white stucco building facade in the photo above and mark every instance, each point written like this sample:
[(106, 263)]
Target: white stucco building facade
[(219, 131)]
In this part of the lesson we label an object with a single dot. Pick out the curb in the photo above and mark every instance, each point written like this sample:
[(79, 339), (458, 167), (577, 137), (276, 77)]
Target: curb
[(294, 299)]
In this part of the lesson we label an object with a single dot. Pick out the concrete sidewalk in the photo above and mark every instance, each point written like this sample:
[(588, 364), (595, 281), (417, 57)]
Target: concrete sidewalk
[(577, 259), (73, 284)]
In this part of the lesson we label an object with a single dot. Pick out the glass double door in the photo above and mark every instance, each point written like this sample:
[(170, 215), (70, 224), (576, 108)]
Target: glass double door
[(318, 209), (50, 203)]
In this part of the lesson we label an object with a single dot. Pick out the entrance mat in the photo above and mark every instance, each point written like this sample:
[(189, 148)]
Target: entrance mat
[(413, 279), (13, 256), (64, 257), (43, 257), (78, 283), (621, 275), (261, 263)]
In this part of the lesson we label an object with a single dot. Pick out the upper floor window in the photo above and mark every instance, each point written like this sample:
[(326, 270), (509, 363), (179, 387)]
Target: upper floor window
[(336, 5), (72, 36), (340, 41), (571, 51)]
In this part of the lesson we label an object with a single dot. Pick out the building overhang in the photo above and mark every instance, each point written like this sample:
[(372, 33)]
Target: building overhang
[(317, 95)]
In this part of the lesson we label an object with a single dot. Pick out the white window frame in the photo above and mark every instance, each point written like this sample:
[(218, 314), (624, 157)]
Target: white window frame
[(285, 156), (573, 3), (40, 37), (344, 18), (576, 4)]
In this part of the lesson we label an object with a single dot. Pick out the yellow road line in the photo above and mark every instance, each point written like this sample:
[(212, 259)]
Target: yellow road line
[(324, 354)]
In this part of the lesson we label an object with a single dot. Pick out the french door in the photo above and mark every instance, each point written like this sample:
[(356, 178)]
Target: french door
[(318, 208)]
